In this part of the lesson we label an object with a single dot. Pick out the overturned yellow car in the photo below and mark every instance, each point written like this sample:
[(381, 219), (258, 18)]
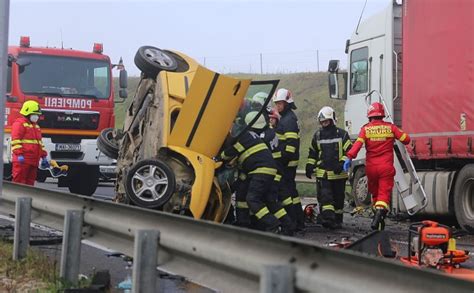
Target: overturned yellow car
[(181, 116)]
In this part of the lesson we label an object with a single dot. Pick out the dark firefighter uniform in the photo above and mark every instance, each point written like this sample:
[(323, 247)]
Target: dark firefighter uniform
[(327, 154), (256, 162), (288, 135)]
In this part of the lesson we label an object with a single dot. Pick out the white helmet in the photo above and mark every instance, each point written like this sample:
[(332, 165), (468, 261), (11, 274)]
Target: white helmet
[(327, 113), (259, 124), (260, 98), (283, 95)]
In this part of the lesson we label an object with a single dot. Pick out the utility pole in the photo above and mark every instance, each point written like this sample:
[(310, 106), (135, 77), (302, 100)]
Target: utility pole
[(261, 63), (317, 58), (4, 19)]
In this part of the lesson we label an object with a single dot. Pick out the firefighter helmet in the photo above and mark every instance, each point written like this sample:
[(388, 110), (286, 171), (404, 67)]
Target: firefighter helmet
[(30, 107), (260, 98), (259, 124), (327, 113), (376, 110), (283, 95)]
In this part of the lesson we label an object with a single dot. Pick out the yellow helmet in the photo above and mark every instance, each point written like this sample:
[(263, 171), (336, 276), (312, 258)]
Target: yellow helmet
[(30, 107)]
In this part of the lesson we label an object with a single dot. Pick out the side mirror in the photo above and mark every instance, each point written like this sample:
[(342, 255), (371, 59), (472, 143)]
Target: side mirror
[(333, 66), (123, 79), (333, 86), (123, 93), (23, 61)]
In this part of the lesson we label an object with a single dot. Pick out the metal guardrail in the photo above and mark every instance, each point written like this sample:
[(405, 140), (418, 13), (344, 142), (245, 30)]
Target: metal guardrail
[(227, 258)]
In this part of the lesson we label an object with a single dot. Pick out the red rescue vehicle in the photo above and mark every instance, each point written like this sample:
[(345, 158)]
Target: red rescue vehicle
[(76, 94)]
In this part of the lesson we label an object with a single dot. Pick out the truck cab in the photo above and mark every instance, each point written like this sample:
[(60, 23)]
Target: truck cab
[(76, 94)]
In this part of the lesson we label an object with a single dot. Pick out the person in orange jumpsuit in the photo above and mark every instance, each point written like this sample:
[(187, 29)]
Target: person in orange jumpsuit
[(27, 145), (379, 137)]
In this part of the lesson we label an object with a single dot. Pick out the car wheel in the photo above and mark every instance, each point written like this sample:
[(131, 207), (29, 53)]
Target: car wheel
[(42, 175), (464, 198), (107, 143), (151, 60), (83, 179), (150, 183), (360, 190)]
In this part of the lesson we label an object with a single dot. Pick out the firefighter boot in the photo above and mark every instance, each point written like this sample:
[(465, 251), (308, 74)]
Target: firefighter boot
[(378, 223), (338, 221), (288, 227), (328, 219)]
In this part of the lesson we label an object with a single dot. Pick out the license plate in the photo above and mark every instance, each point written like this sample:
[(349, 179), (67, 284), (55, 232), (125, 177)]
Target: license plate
[(68, 147)]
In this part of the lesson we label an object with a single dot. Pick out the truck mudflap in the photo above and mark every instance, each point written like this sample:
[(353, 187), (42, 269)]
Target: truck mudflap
[(412, 193)]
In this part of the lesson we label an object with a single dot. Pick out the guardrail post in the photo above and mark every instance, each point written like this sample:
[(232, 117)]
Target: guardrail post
[(144, 278), (277, 279), (71, 248), (21, 239)]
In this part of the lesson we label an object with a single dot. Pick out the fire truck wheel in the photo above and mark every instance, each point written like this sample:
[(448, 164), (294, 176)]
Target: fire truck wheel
[(107, 143), (151, 60), (464, 198), (83, 179), (150, 183), (360, 190), (41, 175)]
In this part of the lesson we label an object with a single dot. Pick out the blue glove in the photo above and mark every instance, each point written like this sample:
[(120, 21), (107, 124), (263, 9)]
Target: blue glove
[(347, 165), (44, 164), (21, 159)]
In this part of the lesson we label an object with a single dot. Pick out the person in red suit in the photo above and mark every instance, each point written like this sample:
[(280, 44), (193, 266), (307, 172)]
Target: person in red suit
[(379, 137), (27, 145)]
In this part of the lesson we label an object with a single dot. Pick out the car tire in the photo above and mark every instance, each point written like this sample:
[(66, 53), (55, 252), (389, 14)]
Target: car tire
[(150, 183), (360, 192), (107, 143), (464, 198), (151, 60)]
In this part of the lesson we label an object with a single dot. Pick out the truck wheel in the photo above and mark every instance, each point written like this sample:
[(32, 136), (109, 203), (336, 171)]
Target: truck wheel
[(150, 183), (464, 198), (360, 190), (151, 60), (84, 179), (107, 143), (42, 175)]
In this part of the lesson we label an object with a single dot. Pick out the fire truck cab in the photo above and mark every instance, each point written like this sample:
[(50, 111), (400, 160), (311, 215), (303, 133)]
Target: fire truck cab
[(76, 94)]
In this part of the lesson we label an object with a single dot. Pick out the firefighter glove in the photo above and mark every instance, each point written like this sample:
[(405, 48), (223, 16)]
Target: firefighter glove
[(21, 159), (339, 168), (347, 165), (309, 170), (44, 164)]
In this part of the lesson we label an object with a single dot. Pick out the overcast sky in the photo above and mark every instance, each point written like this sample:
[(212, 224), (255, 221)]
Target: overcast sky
[(228, 35)]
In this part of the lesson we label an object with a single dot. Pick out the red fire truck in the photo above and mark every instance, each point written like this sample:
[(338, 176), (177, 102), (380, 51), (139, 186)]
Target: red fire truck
[(76, 94)]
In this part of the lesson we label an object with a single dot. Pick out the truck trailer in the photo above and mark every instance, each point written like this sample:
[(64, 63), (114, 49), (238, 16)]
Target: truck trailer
[(419, 55), (76, 94)]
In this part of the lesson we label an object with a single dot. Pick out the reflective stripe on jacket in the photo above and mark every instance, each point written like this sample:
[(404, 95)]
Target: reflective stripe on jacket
[(328, 151), (26, 140)]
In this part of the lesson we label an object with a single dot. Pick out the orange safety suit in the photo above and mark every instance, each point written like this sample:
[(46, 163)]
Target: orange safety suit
[(379, 137), (26, 142)]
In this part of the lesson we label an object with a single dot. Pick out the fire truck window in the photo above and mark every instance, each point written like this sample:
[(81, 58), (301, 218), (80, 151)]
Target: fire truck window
[(66, 76), (9, 79), (359, 71)]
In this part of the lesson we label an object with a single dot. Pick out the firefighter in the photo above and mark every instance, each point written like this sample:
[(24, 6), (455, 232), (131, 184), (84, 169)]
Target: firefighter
[(288, 134), (27, 145), (327, 154), (268, 135), (378, 137), (256, 162), (274, 118)]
